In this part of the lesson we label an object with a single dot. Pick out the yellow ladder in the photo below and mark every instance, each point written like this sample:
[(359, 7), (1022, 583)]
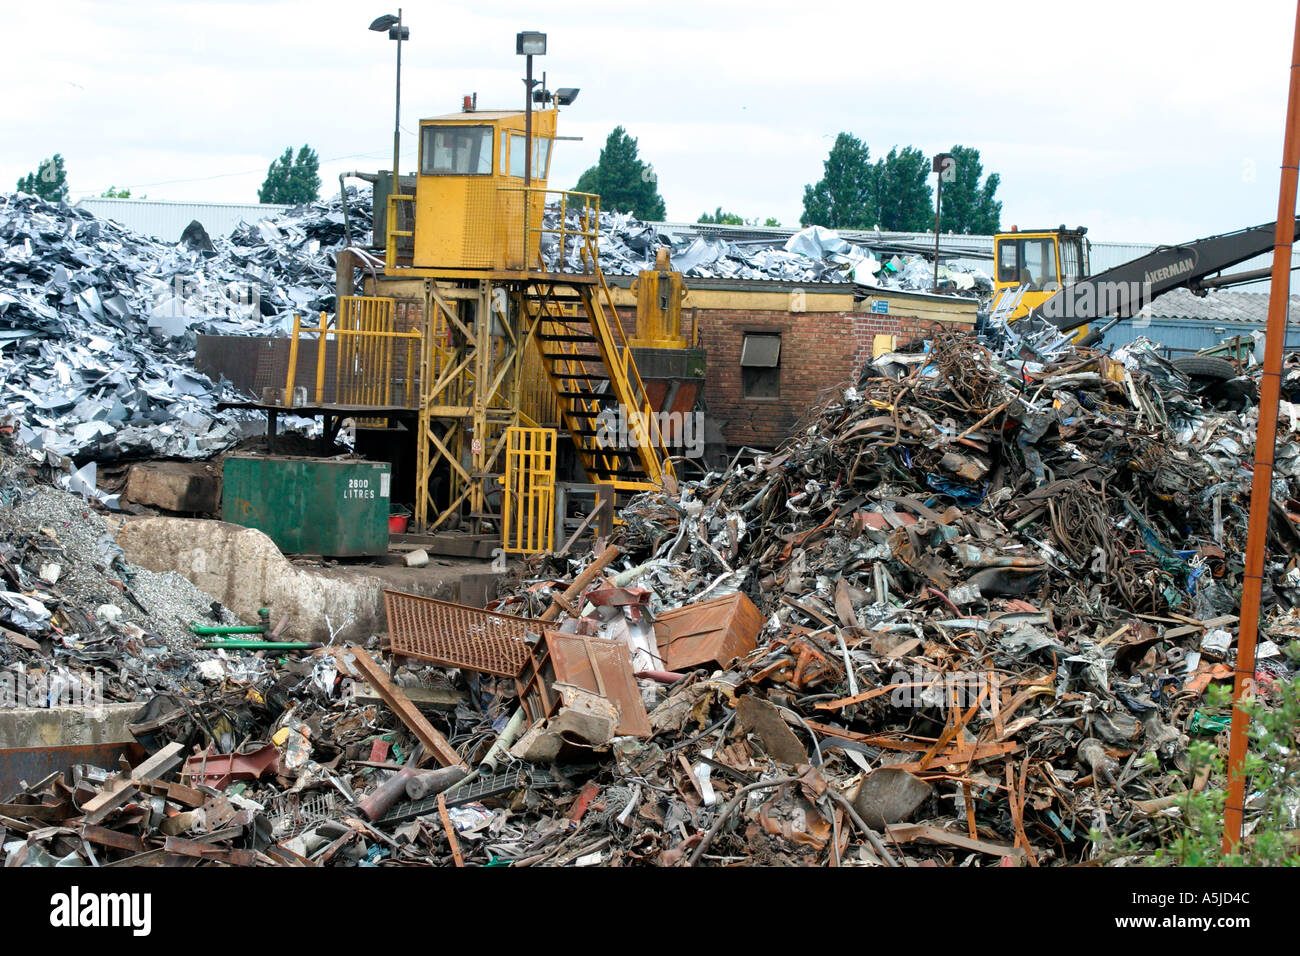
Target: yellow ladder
[(599, 392)]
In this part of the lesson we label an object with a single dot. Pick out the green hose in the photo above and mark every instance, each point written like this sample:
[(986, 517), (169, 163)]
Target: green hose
[(261, 645)]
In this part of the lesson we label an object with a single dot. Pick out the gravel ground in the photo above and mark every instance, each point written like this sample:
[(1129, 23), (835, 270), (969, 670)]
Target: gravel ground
[(85, 550)]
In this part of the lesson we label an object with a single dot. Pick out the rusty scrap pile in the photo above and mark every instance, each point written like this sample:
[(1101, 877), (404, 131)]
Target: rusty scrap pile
[(946, 623)]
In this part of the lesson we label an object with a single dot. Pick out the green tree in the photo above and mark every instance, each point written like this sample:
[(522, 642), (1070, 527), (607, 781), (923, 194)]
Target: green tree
[(112, 192), (50, 182), (623, 182), (845, 196), (291, 181), (968, 205), (722, 218), (772, 222), (904, 196)]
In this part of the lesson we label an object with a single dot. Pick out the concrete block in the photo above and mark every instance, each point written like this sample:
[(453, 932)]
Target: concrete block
[(191, 487)]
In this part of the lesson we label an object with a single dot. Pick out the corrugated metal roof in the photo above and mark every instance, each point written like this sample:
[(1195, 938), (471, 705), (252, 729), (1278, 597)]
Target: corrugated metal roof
[(1183, 322), (166, 219), (1218, 307)]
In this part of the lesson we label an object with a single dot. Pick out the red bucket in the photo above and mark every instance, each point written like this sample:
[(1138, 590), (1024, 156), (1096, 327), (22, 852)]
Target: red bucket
[(397, 523)]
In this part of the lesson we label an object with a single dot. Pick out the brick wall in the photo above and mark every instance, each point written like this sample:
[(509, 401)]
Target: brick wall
[(820, 352)]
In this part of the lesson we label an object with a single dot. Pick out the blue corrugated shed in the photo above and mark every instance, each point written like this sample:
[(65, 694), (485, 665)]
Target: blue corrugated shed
[(1181, 321)]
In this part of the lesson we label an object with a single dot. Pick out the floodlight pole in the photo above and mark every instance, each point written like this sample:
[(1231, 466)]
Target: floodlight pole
[(940, 165), (528, 128), (397, 112)]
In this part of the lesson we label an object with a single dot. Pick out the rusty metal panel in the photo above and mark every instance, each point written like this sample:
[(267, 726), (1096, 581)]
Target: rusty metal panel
[(602, 667), (37, 763), (712, 632), (457, 636)]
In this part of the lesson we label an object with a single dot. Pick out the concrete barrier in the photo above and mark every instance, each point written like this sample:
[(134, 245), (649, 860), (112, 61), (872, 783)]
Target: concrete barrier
[(244, 570)]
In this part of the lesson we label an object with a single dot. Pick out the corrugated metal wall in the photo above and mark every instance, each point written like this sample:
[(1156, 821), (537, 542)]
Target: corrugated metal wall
[(166, 220), (1190, 335)]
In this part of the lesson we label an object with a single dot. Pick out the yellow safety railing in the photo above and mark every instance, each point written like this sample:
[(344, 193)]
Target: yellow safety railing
[(644, 426), (585, 236), (357, 385), (397, 214), (528, 507)]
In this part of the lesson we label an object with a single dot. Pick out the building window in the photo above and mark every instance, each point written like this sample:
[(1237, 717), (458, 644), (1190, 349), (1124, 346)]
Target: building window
[(760, 366)]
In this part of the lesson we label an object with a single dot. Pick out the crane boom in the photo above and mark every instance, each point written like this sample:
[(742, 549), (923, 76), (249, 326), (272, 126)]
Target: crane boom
[(1123, 291)]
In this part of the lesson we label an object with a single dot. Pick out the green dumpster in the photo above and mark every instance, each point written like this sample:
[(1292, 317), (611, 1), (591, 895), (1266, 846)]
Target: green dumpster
[(320, 506)]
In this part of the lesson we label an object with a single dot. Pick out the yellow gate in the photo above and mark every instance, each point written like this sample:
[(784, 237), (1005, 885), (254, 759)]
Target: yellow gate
[(528, 508), (365, 360)]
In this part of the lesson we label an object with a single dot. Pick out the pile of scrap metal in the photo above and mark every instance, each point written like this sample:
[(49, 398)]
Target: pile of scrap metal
[(966, 616), (948, 622), (813, 254), (98, 323)]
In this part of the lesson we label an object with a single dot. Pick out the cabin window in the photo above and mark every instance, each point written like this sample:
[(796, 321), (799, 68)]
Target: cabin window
[(1008, 270), (1071, 261), (1038, 263), (456, 151), (541, 153)]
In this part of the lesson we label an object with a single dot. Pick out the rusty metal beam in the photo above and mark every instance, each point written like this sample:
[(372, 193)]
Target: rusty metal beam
[(1265, 439), (434, 742)]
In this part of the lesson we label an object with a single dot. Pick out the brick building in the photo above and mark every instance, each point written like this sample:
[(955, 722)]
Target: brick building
[(817, 340)]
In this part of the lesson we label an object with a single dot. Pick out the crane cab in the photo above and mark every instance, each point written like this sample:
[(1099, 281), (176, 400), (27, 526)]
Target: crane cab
[(469, 196), (1041, 261)]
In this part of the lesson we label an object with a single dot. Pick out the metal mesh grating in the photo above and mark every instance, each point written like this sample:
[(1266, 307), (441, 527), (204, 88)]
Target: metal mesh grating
[(292, 813), (457, 636)]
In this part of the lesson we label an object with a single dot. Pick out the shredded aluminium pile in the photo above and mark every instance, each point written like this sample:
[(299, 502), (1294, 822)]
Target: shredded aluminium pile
[(97, 323), (814, 254), (73, 611)]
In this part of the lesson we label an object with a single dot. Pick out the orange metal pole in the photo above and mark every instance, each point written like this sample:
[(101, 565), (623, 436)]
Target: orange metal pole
[(1265, 438)]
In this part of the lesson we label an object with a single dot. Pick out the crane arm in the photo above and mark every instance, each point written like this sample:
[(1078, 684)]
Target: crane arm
[(1123, 291)]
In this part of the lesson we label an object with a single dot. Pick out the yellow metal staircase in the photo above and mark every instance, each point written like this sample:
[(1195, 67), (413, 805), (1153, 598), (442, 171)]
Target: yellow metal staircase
[(602, 400)]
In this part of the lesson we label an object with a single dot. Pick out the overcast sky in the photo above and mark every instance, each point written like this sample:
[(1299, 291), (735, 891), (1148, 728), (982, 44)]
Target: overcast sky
[(1144, 120)]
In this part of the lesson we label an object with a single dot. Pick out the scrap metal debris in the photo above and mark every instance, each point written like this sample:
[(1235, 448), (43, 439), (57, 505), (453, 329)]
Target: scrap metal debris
[(965, 616), (97, 323)]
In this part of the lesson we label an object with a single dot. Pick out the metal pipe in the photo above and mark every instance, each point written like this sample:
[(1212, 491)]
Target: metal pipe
[(1265, 438), (262, 645), (509, 734), (528, 154), (386, 794), (343, 198), (938, 205)]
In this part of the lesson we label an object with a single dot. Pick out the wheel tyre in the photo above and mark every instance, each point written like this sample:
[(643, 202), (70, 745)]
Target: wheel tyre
[(1205, 366)]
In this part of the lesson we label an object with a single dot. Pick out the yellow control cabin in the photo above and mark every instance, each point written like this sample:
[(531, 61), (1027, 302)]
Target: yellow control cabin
[(1040, 261), (469, 207)]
